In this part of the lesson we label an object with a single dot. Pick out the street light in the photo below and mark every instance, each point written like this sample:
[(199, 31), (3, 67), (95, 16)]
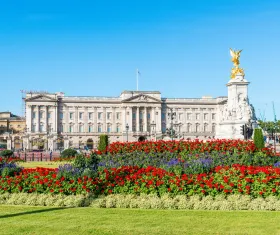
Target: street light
[(127, 127), (274, 135)]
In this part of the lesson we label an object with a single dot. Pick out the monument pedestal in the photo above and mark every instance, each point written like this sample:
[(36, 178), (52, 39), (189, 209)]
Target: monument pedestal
[(237, 111)]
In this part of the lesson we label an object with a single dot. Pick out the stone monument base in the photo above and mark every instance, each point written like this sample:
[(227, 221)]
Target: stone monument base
[(230, 130)]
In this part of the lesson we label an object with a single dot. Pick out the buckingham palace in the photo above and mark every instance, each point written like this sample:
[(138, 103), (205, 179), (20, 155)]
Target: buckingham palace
[(60, 121), (56, 121)]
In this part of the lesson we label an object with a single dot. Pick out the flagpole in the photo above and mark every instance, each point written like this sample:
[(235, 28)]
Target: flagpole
[(137, 79)]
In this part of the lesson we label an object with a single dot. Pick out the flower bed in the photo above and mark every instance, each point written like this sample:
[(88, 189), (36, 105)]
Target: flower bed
[(188, 163), (184, 147), (241, 180)]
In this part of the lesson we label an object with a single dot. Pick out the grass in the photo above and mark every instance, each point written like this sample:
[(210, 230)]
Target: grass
[(51, 220), (41, 164)]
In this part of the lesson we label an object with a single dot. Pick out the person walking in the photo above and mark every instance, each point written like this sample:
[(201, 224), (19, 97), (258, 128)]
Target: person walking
[(51, 155)]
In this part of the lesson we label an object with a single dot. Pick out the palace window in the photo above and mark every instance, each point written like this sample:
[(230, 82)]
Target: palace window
[(99, 128), (33, 127), (81, 128), (81, 115), (109, 116), (118, 128), (90, 116), (196, 127), (189, 127), (205, 116), (213, 127), (99, 116), (90, 129), (41, 127), (49, 114), (197, 116), (205, 127), (61, 115), (71, 128), (118, 116), (71, 116), (189, 116), (213, 116), (34, 115), (41, 114), (109, 128)]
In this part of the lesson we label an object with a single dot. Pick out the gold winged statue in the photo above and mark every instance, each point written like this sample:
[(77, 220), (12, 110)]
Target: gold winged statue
[(235, 59)]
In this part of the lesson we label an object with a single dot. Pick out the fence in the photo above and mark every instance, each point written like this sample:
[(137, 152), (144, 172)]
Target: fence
[(42, 156)]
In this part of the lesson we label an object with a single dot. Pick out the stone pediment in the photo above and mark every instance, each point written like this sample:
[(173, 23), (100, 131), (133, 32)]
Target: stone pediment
[(40, 97), (142, 98)]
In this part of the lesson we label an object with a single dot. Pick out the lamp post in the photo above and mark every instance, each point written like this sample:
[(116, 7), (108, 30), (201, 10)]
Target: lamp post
[(127, 127), (172, 115), (274, 135)]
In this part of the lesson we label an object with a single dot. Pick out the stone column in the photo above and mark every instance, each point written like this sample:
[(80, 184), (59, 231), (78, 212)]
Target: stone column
[(153, 115), (66, 128), (86, 120), (46, 118), (158, 122), (114, 128), (95, 120), (129, 118), (124, 119), (29, 122), (76, 129), (137, 119), (145, 119), (55, 117), (38, 118), (104, 120)]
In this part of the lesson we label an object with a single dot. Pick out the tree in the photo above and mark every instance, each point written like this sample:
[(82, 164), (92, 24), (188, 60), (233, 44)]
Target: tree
[(270, 126), (68, 153), (103, 143), (258, 138)]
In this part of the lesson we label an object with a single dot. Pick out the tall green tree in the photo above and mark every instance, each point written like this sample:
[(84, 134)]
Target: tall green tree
[(258, 138)]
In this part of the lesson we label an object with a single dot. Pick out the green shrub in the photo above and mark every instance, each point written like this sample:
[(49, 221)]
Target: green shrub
[(258, 138), (230, 203), (103, 143), (6, 153), (80, 161), (68, 153)]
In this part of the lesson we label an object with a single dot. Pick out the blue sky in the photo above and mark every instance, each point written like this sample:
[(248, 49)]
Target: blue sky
[(180, 47)]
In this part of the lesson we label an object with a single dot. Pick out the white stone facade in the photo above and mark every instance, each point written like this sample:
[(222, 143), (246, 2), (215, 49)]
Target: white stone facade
[(70, 121)]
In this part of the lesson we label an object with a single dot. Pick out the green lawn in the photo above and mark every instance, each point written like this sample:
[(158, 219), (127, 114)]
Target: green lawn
[(51, 220), (41, 164)]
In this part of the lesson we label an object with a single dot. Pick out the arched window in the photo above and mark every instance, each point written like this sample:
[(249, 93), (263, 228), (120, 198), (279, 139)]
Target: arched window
[(81, 128), (197, 127), (213, 127), (189, 127), (205, 127), (41, 127), (108, 127)]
